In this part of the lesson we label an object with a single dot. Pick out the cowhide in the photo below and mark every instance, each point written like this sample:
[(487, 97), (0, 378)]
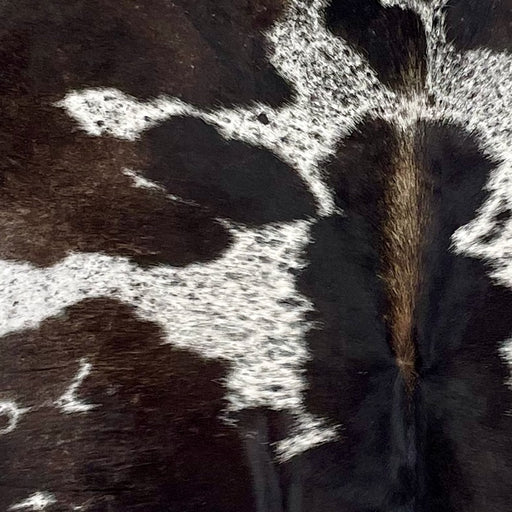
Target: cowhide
[(256, 256)]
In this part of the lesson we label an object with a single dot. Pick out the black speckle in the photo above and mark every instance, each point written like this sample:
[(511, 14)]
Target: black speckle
[(263, 118), (489, 237), (503, 216)]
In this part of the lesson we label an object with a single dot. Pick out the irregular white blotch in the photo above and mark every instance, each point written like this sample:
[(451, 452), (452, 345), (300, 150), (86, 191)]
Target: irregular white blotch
[(335, 88), (243, 307), (68, 402), (36, 501), (282, 135), (107, 111), (13, 412), (307, 432)]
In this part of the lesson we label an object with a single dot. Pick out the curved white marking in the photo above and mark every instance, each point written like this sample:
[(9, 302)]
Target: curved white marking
[(13, 412), (68, 402), (243, 307)]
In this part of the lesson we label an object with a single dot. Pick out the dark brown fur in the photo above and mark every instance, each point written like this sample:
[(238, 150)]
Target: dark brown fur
[(405, 210)]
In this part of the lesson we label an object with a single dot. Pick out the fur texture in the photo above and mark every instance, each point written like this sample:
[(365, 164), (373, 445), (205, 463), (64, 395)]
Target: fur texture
[(255, 256)]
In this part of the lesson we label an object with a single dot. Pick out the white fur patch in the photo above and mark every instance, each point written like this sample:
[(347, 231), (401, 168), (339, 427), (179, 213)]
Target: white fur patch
[(36, 501)]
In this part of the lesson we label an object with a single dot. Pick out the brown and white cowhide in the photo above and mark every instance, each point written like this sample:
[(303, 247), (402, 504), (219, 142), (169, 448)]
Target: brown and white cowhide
[(256, 256)]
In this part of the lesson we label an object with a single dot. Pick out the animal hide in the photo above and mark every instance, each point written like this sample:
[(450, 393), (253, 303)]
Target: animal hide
[(255, 256)]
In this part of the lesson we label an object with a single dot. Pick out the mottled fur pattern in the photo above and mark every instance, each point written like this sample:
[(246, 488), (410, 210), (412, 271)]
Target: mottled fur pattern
[(255, 256)]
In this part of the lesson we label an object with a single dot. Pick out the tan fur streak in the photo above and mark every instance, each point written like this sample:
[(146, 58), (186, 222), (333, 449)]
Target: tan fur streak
[(403, 224)]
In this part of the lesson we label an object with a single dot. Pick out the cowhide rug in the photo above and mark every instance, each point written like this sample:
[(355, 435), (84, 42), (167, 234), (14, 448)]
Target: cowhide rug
[(256, 256)]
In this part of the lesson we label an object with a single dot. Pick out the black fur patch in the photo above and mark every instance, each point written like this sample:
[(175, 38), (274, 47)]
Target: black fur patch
[(463, 319), (477, 23), (352, 375), (392, 39), (154, 441), (233, 179)]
